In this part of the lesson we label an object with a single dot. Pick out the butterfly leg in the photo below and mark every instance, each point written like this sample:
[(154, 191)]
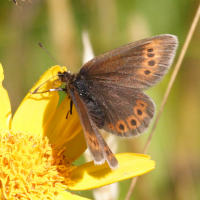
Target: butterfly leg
[(70, 111)]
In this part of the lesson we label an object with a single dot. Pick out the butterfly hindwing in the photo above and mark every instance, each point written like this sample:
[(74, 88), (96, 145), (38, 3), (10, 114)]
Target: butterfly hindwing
[(128, 111)]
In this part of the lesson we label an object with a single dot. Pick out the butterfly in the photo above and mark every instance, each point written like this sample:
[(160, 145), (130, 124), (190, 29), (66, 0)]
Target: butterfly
[(108, 91)]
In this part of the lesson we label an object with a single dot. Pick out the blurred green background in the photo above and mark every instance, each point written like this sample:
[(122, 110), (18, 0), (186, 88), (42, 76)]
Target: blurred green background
[(58, 25)]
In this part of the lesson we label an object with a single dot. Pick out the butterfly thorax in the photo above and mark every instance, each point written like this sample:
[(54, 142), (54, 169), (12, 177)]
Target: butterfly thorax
[(73, 82)]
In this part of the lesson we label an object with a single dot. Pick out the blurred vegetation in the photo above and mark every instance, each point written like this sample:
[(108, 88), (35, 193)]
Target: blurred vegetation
[(58, 25)]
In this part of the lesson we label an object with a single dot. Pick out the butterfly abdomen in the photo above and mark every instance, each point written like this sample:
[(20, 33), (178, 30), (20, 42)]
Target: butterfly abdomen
[(94, 109)]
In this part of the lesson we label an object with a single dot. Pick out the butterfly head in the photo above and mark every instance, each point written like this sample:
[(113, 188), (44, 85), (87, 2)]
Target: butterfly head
[(64, 77), (70, 80)]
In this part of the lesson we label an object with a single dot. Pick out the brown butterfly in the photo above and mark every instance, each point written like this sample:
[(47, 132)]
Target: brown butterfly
[(107, 91)]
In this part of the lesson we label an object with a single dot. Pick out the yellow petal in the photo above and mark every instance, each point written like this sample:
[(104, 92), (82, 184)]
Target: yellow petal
[(5, 108), (66, 132), (36, 109), (89, 176), (60, 129), (66, 195), (75, 147)]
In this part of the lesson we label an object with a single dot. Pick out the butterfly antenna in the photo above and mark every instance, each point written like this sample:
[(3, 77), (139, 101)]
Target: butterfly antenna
[(40, 44)]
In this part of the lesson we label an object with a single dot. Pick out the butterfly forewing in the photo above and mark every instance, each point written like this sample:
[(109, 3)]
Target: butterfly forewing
[(139, 64)]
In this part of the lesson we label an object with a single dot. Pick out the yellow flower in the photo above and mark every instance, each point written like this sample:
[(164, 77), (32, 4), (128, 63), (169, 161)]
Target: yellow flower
[(39, 145)]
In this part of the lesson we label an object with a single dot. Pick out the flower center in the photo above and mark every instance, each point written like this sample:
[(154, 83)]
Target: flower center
[(30, 168)]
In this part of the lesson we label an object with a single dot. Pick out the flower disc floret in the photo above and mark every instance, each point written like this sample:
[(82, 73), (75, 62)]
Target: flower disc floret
[(31, 168)]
